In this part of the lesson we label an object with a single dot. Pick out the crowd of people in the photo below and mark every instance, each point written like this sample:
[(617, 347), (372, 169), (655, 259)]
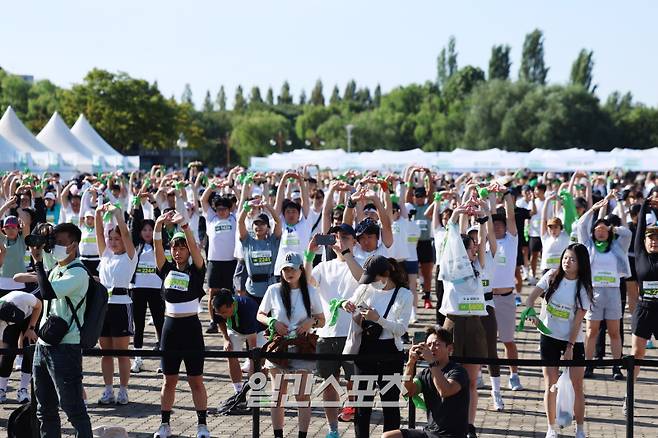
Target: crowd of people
[(310, 260)]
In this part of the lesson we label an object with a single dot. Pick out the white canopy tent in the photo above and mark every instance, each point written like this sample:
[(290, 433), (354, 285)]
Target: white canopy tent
[(87, 135), (58, 138)]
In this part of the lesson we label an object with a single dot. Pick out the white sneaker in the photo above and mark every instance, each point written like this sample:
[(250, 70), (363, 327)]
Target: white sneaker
[(163, 432), (246, 365), (3, 395), (524, 273), (497, 399), (23, 396), (532, 281), (150, 322), (107, 398), (550, 433), (580, 434), (202, 431), (515, 383), (18, 362), (137, 365), (122, 397)]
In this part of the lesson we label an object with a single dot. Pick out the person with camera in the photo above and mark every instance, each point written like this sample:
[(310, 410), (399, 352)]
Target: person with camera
[(57, 366), (12, 237), (118, 262), (380, 308), (182, 289), (443, 385)]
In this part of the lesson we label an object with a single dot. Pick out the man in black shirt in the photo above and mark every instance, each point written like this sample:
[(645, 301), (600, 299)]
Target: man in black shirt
[(443, 385)]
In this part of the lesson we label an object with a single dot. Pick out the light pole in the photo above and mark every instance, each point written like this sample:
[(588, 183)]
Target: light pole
[(280, 140), (182, 144), (349, 128)]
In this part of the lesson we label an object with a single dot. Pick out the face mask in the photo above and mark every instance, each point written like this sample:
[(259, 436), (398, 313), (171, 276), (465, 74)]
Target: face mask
[(59, 253), (378, 284)]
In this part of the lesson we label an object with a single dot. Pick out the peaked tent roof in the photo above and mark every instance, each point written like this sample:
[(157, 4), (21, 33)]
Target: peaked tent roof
[(88, 136), (8, 151), (58, 138), (13, 130)]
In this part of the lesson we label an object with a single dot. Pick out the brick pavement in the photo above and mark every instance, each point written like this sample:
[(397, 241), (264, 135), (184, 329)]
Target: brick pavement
[(523, 416)]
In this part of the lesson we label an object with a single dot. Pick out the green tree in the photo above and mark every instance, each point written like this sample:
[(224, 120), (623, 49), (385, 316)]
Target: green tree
[(284, 98), (221, 99), (15, 93), (377, 97), (335, 96), (441, 68), (186, 97), (500, 63), (207, 103), (43, 101), (239, 103), (252, 133), (461, 83), (317, 98), (452, 56), (254, 96), (302, 98), (350, 91), (269, 99), (310, 120), (581, 70), (533, 68)]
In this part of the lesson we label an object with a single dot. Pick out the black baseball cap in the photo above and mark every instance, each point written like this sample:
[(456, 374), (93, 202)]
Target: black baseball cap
[(373, 266), (343, 228), (420, 192), (367, 226), (262, 218)]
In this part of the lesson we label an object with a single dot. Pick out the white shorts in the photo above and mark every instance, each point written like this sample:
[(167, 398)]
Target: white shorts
[(606, 304), (505, 317), (239, 340)]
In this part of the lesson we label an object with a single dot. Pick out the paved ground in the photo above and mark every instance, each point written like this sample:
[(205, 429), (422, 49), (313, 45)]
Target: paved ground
[(523, 417)]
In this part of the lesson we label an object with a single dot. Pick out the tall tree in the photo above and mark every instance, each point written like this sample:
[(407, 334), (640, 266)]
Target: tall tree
[(441, 68), (302, 98), (533, 69), (335, 96), (377, 97), (452, 56), (581, 70), (15, 91), (350, 91), (254, 96), (317, 98), (187, 97), (284, 98), (208, 106), (239, 104), (269, 98), (500, 63), (221, 99)]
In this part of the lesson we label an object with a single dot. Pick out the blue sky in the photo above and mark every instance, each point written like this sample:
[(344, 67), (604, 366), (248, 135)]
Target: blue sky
[(209, 43)]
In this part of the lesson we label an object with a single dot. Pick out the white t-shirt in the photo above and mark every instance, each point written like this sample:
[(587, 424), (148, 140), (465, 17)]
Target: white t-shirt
[(69, 217), (145, 275), (360, 255), (378, 299), (23, 300), (552, 249), (464, 297), (505, 262), (559, 313), (604, 269), (399, 248), (273, 302), (294, 238), (486, 273), (221, 237), (535, 221), (116, 270), (439, 236), (335, 280), (413, 235), (88, 245)]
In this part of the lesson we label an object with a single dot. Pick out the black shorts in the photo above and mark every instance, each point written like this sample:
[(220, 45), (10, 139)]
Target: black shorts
[(326, 368), (118, 321), (425, 251), (633, 277), (534, 243), (417, 433), (240, 276), (220, 274), (553, 349), (644, 322), (91, 265), (182, 334), (519, 254)]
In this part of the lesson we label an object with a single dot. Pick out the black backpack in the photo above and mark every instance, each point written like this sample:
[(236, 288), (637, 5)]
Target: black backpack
[(96, 299), (23, 422)]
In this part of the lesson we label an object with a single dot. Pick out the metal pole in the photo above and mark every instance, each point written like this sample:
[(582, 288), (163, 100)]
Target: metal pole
[(629, 363), (255, 411), (228, 154), (349, 137), (412, 414), (181, 157)]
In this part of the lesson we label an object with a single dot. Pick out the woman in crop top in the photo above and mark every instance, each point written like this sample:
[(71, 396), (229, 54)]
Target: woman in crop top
[(182, 290), (118, 260)]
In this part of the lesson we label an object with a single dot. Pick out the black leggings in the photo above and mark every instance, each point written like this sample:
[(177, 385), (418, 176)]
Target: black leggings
[(438, 286), (182, 334), (141, 297), (381, 369), (10, 336)]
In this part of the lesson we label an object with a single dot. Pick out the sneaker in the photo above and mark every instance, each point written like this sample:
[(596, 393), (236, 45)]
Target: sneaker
[(212, 328), (580, 434), (616, 373), (624, 407), (524, 273), (471, 432), (650, 345), (515, 383), (550, 433), (406, 339), (122, 397), (532, 281), (23, 396), (164, 431), (480, 382), (150, 322), (589, 372), (333, 434), (137, 365), (107, 398), (517, 300), (246, 365), (428, 304), (497, 399), (3, 395), (159, 370), (202, 431), (18, 362), (347, 414)]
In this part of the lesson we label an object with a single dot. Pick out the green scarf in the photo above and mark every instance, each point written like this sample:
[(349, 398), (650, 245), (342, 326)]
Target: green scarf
[(601, 246), (271, 322), (418, 399), (229, 321), (334, 307), (540, 325), (570, 213)]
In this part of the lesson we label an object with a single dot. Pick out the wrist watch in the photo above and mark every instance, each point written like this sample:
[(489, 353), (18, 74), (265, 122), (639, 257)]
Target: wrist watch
[(346, 251), (434, 364)]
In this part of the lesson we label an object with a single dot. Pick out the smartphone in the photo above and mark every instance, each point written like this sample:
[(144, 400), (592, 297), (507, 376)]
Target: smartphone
[(419, 337), (325, 239)]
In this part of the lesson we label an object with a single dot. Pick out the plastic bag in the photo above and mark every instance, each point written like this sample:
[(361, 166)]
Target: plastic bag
[(565, 399), (454, 264)]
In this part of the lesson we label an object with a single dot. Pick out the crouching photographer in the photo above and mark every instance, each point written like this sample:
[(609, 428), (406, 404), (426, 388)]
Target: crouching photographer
[(57, 367)]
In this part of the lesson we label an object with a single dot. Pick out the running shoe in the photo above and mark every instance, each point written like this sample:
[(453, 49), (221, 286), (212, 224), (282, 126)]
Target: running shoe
[(150, 321), (650, 345), (347, 414), (616, 373), (164, 431), (524, 273), (18, 362), (107, 398), (428, 304), (246, 365), (333, 434), (23, 396), (3, 395), (589, 372), (202, 431), (480, 382), (624, 407), (137, 365), (551, 433), (122, 397), (515, 383), (580, 434), (406, 339), (517, 300), (497, 399), (532, 281), (212, 328), (471, 432)]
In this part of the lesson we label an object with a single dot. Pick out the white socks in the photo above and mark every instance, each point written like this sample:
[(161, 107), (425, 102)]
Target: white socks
[(25, 380), (237, 387), (495, 383), (109, 389), (3, 383)]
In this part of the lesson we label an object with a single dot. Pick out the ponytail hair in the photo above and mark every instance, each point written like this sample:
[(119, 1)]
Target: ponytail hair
[(397, 274)]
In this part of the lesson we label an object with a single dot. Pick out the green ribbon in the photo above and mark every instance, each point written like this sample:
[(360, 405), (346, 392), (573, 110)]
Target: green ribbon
[(418, 399), (340, 206), (483, 192), (271, 323), (204, 180), (395, 198), (601, 246), (530, 312), (229, 322), (334, 306), (180, 185), (532, 183), (569, 207), (108, 214)]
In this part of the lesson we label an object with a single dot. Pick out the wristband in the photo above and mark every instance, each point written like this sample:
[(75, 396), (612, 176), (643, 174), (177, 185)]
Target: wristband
[(135, 201), (157, 235), (409, 184), (246, 207), (434, 364), (570, 344), (185, 226), (346, 251), (384, 185), (437, 197), (483, 192), (213, 186), (395, 198), (482, 220), (309, 256), (351, 203)]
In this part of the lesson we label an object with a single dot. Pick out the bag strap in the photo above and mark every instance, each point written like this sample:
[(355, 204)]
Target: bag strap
[(139, 254), (74, 310), (390, 303), (315, 225)]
